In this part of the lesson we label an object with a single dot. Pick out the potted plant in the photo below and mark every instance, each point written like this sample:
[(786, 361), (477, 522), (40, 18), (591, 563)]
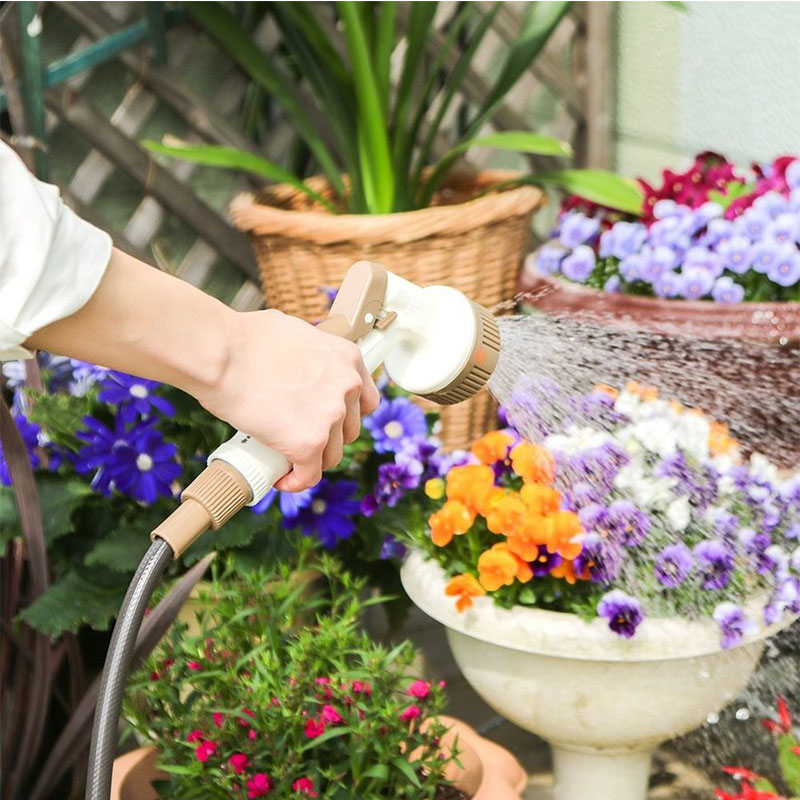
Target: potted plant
[(610, 587), (371, 130), (711, 272), (262, 702), (756, 787)]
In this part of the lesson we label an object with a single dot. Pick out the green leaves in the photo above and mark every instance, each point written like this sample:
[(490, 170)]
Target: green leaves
[(790, 762), (518, 141), (597, 185), (61, 415), (214, 155)]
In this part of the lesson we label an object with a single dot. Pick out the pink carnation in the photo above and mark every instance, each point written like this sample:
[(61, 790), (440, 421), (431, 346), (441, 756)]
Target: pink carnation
[(304, 786), (205, 750), (331, 715), (194, 736), (258, 785), (419, 689), (362, 687), (239, 762), (412, 712), (219, 719), (252, 734), (194, 665), (314, 728)]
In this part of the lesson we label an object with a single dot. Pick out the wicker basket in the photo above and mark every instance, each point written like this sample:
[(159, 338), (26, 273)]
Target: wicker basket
[(474, 242)]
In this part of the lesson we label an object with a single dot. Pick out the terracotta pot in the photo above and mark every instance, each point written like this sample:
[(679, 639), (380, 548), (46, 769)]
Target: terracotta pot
[(748, 355), (487, 772)]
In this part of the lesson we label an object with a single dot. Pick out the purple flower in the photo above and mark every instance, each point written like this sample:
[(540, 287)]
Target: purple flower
[(599, 557), (753, 223), (85, 375), (623, 240), (773, 204), (623, 612), (732, 623), (134, 396), (576, 229), (579, 264), (701, 217), (668, 284), (148, 467), (673, 564), (30, 436), (391, 548), (664, 209), (696, 282), (631, 267), (785, 598), (785, 269), (544, 562), (394, 422), (394, 480), (718, 232), (726, 291), (265, 503), (627, 522), (783, 229), (549, 258), (736, 254), (714, 562), (703, 258), (422, 455), (764, 255), (792, 175), (657, 262), (329, 515), (612, 284), (106, 451)]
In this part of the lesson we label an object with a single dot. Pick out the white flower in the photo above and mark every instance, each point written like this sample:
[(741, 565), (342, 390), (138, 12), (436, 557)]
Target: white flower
[(762, 469), (576, 440), (679, 514), (627, 404), (693, 432), (658, 435), (647, 492)]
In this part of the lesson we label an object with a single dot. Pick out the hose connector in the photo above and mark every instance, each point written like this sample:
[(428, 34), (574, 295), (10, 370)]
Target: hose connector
[(209, 501)]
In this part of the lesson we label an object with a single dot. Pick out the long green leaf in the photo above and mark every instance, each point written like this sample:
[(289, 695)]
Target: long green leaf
[(373, 138), (597, 185), (382, 56), (539, 22), (214, 155), (454, 82), (238, 43)]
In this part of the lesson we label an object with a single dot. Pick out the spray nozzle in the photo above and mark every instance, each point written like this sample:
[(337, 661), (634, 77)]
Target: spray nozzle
[(433, 342)]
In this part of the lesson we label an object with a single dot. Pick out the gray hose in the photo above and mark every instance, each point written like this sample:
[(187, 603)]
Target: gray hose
[(118, 662)]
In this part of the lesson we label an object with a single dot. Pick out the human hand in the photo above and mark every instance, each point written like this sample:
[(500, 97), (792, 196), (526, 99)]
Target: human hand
[(295, 389)]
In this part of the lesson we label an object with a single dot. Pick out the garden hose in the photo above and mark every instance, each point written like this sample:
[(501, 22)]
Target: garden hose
[(433, 342)]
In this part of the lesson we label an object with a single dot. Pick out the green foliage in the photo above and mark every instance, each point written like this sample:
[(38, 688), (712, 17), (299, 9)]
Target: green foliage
[(61, 415), (382, 137), (282, 677), (789, 759)]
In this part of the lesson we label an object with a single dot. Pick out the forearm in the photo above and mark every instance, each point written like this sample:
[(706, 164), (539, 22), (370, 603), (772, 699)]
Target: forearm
[(147, 323)]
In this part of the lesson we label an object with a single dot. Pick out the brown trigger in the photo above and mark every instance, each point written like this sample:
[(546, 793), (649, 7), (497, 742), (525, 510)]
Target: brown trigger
[(359, 302)]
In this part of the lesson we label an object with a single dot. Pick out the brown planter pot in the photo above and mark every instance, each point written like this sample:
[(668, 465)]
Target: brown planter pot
[(741, 363), (488, 772), (473, 243)]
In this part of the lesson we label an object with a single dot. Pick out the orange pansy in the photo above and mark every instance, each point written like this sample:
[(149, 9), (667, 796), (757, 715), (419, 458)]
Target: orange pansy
[(533, 463), (529, 537), (492, 447), (562, 528), (498, 567), (540, 499), (452, 519), (606, 389), (566, 571), (464, 587), (507, 515), (470, 484)]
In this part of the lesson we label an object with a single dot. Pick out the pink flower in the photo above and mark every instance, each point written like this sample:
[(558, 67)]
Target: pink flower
[(331, 715), (251, 734), (322, 681), (314, 728), (258, 785), (205, 750), (239, 762), (219, 719), (194, 665), (419, 689), (243, 721), (194, 736), (412, 712), (276, 702), (362, 687), (304, 786)]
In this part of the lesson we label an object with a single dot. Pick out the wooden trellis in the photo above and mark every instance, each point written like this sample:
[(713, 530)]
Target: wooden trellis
[(144, 92)]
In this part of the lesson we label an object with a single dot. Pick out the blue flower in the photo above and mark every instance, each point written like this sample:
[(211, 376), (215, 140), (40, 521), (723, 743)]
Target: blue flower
[(732, 624), (696, 282), (736, 254), (623, 240), (579, 264), (753, 223), (421, 455), (103, 452), (623, 612), (726, 291), (612, 284), (329, 514), (30, 435), (673, 564), (394, 480), (785, 269), (549, 258), (714, 562), (703, 258), (668, 284), (393, 423), (764, 254), (85, 375), (134, 396), (783, 229), (631, 267), (773, 204), (576, 229), (659, 260), (391, 548)]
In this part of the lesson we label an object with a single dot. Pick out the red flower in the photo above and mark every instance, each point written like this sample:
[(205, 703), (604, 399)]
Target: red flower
[(412, 712), (258, 785), (239, 762), (194, 736), (314, 728), (205, 750), (194, 665), (219, 719), (154, 676), (419, 689), (784, 723), (362, 687), (330, 715), (304, 786)]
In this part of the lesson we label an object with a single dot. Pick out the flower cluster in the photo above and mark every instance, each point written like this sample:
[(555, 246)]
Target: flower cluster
[(275, 703), (755, 787), (636, 507), (705, 234)]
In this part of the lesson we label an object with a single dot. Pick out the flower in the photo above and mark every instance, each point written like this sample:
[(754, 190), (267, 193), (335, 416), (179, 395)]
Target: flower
[(411, 713), (533, 463), (194, 736), (622, 240), (304, 786), (258, 785), (623, 612), (785, 269), (393, 481), (493, 447), (330, 715), (394, 422), (239, 762), (419, 689), (696, 282), (452, 519), (471, 485), (329, 514), (732, 623), (548, 258), (726, 291), (577, 228), (627, 522), (219, 719), (205, 750), (391, 548), (314, 728), (579, 264), (498, 567), (673, 564), (464, 587), (714, 562), (30, 437), (134, 396), (784, 723), (599, 559)]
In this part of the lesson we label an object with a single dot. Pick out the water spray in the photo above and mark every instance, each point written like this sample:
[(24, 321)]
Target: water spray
[(433, 342)]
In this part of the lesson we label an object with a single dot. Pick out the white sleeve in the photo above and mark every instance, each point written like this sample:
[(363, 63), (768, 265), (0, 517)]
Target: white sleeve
[(51, 261)]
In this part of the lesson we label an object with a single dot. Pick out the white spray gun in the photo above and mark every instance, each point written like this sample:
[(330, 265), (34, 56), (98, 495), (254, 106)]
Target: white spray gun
[(433, 342)]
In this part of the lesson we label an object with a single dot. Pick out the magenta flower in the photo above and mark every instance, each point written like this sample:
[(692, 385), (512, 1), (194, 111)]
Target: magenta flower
[(239, 762), (258, 785), (419, 689), (623, 612), (411, 713), (331, 716), (195, 736), (219, 719), (362, 687), (304, 786), (314, 728), (205, 750)]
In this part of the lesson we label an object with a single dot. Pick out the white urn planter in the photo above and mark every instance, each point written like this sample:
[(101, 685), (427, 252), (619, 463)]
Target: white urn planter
[(604, 703)]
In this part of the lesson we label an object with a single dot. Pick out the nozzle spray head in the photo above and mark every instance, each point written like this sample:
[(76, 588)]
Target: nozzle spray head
[(433, 341)]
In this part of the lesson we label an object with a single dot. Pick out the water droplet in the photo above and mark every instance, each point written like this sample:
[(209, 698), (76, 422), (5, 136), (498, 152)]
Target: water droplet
[(712, 718), (742, 714)]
